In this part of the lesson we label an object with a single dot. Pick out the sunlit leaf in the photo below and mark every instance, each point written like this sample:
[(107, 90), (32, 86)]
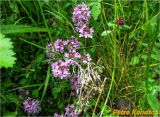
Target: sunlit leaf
[(7, 58)]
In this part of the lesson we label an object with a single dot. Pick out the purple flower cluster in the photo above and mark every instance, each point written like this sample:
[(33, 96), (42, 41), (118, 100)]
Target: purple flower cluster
[(31, 106), (72, 43), (81, 16), (68, 48), (59, 45), (61, 68), (72, 55)]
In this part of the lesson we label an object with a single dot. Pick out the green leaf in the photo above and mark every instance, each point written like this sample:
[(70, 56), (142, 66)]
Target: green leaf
[(135, 60), (153, 102), (155, 56), (144, 57), (105, 33), (110, 24), (39, 58), (35, 93), (10, 98), (7, 58), (10, 114), (56, 91), (9, 29), (126, 26), (96, 10), (46, 83), (106, 109)]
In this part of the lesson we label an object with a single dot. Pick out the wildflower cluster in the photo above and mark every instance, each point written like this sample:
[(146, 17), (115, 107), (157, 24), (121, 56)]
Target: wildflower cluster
[(67, 49), (64, 53), (81, 17), (31, 106)]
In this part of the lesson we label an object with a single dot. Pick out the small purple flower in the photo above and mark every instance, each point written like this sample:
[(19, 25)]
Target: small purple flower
[(86, 58), (31, 106), (59, 45), (73, 43), (81, 16), (71, 111), (79, 25), (81, 13), (74, 83), (72, 54), (86, 32), (71, 62), (50, 51), (60, 69), (57, 115)]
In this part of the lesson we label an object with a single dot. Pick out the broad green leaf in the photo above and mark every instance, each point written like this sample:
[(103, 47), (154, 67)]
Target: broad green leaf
[(155, 56), (9, 29), (153, 102), (7, 58), (96, 10)]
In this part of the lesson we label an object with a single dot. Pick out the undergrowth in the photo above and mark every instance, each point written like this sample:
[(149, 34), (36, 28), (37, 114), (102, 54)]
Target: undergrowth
[(124, 51)]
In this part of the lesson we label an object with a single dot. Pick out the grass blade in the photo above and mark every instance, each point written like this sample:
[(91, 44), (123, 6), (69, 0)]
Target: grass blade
[(46, 83), (10, 29)]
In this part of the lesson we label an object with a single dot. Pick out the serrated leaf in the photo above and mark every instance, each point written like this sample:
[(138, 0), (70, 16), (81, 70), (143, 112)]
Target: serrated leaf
[(7, 58), (96, 10)]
